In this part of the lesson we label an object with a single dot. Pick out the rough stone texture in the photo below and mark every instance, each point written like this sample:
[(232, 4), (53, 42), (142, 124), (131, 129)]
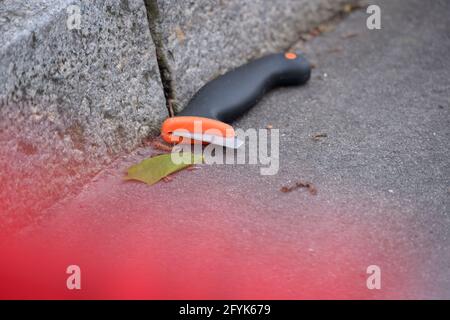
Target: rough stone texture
[(205, 38), (71, 100), (382, 176)]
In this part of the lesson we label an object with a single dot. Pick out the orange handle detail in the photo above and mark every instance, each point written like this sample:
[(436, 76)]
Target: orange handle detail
[(193, 125)]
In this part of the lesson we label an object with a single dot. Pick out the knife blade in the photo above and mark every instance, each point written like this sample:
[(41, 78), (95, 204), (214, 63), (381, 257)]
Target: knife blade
[(231, 142)]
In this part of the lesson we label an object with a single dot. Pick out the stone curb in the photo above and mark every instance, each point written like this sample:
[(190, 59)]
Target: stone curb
[(72, 99), (203, 39)]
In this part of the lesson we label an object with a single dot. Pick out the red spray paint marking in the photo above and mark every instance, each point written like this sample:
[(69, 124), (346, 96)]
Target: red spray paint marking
[(180, 264), (210, 257)]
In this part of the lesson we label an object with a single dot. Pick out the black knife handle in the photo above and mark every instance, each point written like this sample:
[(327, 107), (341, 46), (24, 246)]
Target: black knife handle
[(230, 95)]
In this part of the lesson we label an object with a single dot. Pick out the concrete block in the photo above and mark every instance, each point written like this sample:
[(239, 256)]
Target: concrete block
[(74, 94), (203, 39)]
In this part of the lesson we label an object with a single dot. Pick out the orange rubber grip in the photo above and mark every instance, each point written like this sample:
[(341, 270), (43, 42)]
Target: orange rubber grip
[(190, 124)]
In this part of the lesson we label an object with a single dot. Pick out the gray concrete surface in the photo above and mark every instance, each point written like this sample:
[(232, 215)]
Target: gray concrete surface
[(382, 175), (203, 39), (71, 100)]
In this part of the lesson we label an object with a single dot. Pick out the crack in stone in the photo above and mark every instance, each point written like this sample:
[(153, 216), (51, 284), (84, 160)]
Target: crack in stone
[(164, 68)]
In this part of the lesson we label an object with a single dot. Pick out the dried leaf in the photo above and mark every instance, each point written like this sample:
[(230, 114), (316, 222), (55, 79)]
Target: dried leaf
[(319, 136), (300, 184), (152, 170), (162, 146)]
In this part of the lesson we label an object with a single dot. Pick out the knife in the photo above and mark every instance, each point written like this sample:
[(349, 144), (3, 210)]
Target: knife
[(208, 114)]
